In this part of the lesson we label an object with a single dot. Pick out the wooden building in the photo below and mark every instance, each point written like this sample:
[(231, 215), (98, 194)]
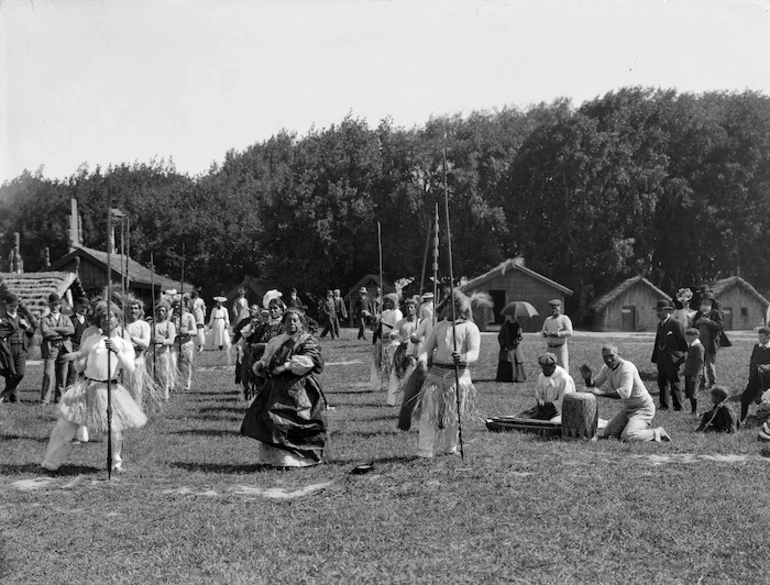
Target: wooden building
[(512, 281), (743, 307), (371, 282), (630, 306), (91, 267), (33, 289)]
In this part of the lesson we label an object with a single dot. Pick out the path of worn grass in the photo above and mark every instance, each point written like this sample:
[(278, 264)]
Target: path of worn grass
[(193, 508)]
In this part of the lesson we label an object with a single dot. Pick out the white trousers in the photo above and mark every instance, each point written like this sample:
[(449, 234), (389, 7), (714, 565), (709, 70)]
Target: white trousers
[(61, 440)]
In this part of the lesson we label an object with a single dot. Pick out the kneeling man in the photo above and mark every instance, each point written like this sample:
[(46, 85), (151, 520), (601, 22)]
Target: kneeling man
[(633, 422), (552, 384)]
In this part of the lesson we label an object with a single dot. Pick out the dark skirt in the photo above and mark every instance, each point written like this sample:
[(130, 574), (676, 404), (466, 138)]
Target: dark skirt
[(508, 371), (288, 414)]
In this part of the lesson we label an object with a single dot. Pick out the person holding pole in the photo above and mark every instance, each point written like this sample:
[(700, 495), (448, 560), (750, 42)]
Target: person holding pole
[(85, 403), (185, 344), (456, 343)]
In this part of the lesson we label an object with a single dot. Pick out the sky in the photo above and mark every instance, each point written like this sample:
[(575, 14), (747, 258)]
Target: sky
[(101, 82)]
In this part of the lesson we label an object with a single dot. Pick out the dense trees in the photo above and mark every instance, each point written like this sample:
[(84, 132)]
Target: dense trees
[(676, 186)]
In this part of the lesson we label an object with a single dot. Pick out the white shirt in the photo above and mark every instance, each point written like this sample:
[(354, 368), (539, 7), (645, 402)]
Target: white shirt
[(624, 380), (553, 388)]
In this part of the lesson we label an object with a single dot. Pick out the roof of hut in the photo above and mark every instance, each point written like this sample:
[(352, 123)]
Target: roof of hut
[(600, 302), (518, 265), (33, 288), (721, 286)]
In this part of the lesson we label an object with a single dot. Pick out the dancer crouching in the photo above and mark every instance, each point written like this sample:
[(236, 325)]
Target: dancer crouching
[(85, 403)]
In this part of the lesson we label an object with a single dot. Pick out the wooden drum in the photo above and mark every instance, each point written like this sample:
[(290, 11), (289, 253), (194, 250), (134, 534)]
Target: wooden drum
[(579, 416)]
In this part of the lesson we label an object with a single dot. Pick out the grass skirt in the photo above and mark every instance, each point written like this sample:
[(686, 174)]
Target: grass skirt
[(85, 404), (438, 401)]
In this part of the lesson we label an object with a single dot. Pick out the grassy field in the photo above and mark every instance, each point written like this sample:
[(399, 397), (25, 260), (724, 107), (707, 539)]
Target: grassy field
[(192, 507)]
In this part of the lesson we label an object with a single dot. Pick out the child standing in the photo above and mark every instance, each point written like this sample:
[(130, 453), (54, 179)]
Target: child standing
[(693, 366), (721, 418)]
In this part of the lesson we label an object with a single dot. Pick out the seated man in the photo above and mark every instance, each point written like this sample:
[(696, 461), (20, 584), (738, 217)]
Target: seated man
[(552, 384), (634, 420), (759, 372)]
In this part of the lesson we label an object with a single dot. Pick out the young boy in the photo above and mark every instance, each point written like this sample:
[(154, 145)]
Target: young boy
[(693, 367), (759, 372), (720, 419)]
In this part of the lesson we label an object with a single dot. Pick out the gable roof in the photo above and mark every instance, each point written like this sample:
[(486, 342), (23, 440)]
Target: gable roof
[(721, 286), (514, 264), (33, 288), (604, 300), (254, 284), (366, 280), (137, 273)]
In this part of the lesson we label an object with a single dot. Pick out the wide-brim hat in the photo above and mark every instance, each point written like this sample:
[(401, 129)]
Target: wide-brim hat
[(664, 304), (220, 299), (273, 293), (428, 296), (555, 302), (170, 292), (707, 296)]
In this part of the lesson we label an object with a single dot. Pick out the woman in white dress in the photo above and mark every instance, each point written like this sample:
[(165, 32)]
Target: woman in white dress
[(219, 323), (385, 346), (198, 310)]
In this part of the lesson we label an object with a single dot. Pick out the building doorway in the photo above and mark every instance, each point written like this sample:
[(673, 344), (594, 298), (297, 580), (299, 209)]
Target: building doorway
[(628, 318)]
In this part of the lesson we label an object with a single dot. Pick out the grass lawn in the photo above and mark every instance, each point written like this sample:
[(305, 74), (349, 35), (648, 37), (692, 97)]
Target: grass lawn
[(192, 507)]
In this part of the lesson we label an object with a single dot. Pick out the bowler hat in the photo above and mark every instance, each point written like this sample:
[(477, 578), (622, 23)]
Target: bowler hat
[(707, 296), (362, 290), (53, 298), (664, 304)]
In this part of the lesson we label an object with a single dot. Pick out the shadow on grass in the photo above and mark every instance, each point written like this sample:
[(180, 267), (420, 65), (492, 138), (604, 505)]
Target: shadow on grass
[(351, 392), (12, 437), (222, 409), (207, 433), (34, 468), (220, 468), (354, 433), (213, 393), (208, 417)]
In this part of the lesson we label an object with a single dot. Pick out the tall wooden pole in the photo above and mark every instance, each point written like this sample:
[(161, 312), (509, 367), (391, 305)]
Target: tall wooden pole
[(109, 327), (435, 264), (454, 316)]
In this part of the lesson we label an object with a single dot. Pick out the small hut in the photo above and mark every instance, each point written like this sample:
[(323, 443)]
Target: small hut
[(33, 289), (630, 306), (743, 307), (512, 281), (91, 266)]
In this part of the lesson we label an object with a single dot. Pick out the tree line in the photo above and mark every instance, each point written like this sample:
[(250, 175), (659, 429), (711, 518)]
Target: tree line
[(675, 186)]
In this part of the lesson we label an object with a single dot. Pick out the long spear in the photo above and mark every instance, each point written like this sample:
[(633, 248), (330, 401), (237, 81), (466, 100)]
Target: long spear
[(152, 296), (109, 327), (425, 259), (435, 265), (454, 316), (382, 300), (181, 310)]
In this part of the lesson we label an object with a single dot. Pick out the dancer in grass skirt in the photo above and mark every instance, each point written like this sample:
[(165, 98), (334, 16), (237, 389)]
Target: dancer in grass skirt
[(439, 424), (287, 416), (85, 402), (405, 358)]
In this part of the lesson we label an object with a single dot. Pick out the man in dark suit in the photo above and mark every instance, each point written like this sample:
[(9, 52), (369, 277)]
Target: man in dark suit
[(57, 329), (668, 355), (709, 321), (362, 310), (15, 337)]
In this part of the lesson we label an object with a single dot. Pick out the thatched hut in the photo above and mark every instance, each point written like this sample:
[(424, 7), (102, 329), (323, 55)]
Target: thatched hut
[(742, 305), (33, 289), (627, 307)]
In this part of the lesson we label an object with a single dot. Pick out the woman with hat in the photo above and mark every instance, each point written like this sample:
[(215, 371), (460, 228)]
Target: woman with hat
[(287, 416), (85, 403), (219, 323), (510, 363)]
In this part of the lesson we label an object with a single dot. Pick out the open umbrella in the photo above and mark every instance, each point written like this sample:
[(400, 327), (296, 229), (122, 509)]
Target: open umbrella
[(519, 309)]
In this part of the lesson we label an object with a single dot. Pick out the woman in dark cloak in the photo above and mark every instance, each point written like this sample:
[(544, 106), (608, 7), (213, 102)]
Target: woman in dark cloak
[(510, 365), (287, 416)]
